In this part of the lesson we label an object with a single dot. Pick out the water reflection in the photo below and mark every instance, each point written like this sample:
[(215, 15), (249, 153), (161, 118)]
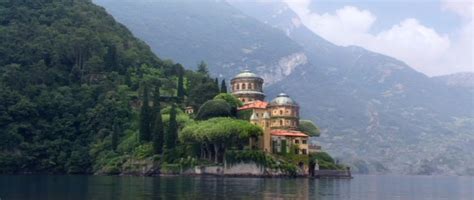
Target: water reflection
[(362, 187)]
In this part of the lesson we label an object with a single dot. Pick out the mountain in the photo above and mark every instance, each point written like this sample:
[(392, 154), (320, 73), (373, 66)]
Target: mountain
[(68, 72), (376, 113), (213, 31), (462, 79)]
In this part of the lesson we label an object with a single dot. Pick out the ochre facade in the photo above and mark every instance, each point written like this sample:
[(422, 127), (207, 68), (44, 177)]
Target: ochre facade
[(278, 118)]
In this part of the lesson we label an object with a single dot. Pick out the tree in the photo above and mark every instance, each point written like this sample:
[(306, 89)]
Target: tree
[(214, 108), (216, 135), (308, 127), (158, 123), (223, 86), (202, 68), (231, 100), (145, 116), (115, 136), (172, 134), (181, 91)]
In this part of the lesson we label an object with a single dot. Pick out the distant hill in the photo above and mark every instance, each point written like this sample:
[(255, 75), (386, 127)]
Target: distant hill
[(375, 112), (462, 79)]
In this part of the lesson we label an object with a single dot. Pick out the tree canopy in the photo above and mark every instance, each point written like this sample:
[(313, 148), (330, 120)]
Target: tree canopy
[(214, 108), (308, 127), (221, 133)]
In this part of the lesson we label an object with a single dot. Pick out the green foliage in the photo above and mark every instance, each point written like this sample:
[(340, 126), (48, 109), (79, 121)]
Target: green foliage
[(181, 91), (115, 137), (143, 151), (325, 161), (218, 134), (171, 137), (214, 108), (167, 168), (68, 73), (145, 116), (157, 129), (202, 68), (232, 101), (244, 114), (200, 87), (308, 127), (223, 86), (222, 130)]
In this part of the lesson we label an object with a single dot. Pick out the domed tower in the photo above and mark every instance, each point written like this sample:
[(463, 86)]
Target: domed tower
[(284, 113), (247, 87)]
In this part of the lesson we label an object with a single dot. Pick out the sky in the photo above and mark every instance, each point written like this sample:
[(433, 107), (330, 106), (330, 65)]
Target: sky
[(433, 37)]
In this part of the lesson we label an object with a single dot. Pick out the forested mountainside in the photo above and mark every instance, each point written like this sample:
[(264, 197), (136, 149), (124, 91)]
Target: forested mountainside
[(372, 108), (70, 79)]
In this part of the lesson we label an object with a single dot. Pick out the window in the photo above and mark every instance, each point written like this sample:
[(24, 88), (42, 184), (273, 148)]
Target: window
[(304, 151), (281, 122), (297, 151), (281, 112), (243, 86), (250, 86), (297, 141), (303, 141), (238, 87)]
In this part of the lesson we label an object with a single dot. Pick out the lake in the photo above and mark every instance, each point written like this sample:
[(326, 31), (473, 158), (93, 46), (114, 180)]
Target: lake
[(363, 187)]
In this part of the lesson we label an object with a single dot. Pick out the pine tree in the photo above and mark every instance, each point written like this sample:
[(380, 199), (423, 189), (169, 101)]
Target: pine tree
[(158, 123), (145, 116), (181, 91), (172, 134), (223, 86)]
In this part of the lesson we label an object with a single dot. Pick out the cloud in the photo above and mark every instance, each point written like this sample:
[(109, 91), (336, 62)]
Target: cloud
[(419, 46)]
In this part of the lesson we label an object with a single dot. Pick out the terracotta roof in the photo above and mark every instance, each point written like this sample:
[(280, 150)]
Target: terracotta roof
[(279, 132), (255, 104)]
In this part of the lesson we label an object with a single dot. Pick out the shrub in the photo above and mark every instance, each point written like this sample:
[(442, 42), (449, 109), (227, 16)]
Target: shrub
[(214, 108)]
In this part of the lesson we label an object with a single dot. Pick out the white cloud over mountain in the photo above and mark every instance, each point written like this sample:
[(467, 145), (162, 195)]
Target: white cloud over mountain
[(421, 47)]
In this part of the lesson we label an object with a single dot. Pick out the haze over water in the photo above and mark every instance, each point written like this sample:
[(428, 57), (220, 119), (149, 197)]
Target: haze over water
[(112, 187)]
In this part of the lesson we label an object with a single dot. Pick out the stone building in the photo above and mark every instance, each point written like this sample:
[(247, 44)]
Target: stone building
[(247, 87), (278, 118)]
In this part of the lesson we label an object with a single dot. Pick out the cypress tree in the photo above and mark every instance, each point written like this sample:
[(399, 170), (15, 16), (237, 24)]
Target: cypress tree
[(115, 136), (145, 116), (223, 86), (158, 123), (180, 83), (172, 135)]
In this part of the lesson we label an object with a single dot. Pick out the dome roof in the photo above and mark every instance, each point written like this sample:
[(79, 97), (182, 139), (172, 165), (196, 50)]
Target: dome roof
[(283, 99), (246, 74)]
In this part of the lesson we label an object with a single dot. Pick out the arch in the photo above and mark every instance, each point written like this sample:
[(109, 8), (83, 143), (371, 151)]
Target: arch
[(237, 86), (281, 122), (244, 86)]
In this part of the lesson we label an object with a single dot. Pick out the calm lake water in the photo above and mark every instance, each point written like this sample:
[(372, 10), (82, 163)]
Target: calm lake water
[(111, 187)]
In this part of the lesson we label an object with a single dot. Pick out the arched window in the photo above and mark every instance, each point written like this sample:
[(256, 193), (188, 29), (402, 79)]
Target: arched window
[(237, 85), (281, 112), (243, 86), (281, 122), (251, 86)]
